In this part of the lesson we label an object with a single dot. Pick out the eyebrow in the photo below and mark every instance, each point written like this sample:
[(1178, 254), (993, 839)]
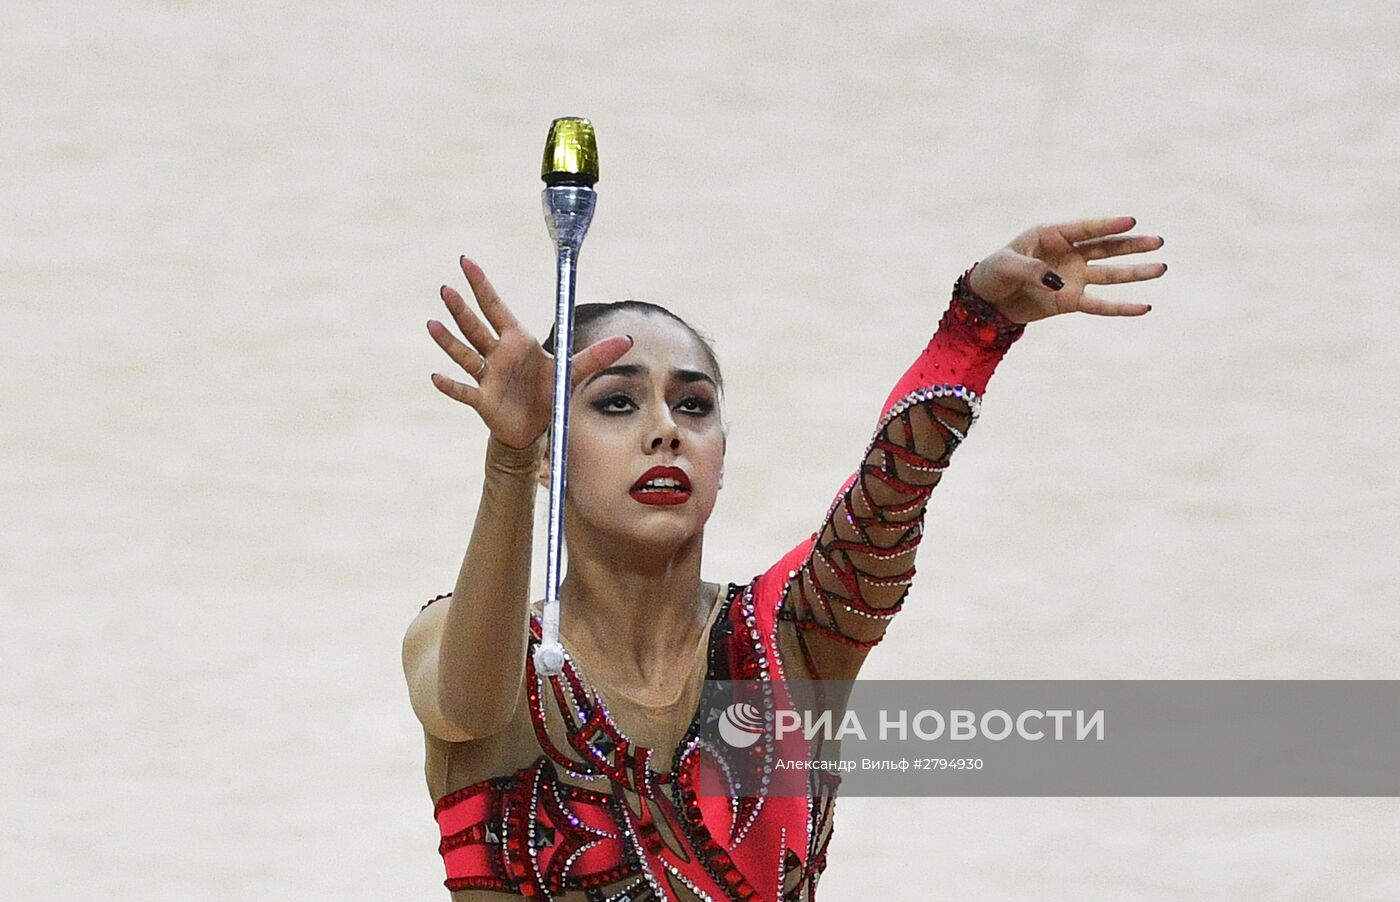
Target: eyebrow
[(632, 369)]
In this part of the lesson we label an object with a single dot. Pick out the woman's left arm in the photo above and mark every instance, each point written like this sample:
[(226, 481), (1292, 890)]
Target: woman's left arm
[(856, 570)]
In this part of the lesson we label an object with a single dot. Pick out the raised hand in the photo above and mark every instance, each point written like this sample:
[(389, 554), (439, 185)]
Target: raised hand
[(513, 374), (1045, 270)]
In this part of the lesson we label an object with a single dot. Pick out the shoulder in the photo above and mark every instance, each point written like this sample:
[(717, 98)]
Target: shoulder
[(426, 626), (433, 610), (421, 643)]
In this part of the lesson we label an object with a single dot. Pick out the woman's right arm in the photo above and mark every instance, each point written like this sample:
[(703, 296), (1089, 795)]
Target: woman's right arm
[(465, 660), (464, 657)]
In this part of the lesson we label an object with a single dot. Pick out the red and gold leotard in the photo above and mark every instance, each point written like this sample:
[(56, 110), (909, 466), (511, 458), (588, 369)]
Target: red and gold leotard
[(640, 834)]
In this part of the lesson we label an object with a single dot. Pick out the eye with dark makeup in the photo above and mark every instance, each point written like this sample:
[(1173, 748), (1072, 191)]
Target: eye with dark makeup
[(605, 405), (618, 404), (696, 406)]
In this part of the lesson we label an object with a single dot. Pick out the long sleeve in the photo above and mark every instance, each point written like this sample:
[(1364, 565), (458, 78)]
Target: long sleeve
[(850, 578)]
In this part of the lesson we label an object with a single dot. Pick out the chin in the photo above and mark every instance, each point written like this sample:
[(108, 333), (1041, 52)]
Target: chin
[(658, 534), (616, 519), (654, 529)]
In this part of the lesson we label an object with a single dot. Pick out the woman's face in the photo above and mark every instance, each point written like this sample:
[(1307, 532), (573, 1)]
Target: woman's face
[(646, 444)]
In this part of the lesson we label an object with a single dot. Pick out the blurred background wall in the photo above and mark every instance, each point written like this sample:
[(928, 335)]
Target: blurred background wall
[(228, 483)]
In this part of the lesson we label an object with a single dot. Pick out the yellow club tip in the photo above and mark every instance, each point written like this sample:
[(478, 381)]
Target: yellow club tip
[(570, 153)]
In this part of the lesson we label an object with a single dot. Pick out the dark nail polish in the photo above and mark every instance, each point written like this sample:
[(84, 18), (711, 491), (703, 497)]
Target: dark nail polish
[(1052, 281), (1149, 308)]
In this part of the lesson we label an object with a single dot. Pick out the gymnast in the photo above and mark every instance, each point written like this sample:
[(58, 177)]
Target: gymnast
[(584, 786)]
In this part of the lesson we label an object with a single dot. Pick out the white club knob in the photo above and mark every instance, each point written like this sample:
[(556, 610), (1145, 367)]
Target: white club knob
[(549, 659)]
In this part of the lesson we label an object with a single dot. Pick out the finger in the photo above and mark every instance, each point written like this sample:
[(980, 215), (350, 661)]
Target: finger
[(1084, 229), (495, 309), (457, 391), (1115, 275), (468, 359), (1101, 307), (599, 356), (1099, 248), (475, 331)]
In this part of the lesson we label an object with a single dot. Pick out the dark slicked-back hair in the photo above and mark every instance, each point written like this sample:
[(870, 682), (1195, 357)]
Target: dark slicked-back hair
[(588, 319)]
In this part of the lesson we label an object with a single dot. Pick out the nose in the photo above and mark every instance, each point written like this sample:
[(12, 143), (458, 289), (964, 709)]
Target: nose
[(664, 433)]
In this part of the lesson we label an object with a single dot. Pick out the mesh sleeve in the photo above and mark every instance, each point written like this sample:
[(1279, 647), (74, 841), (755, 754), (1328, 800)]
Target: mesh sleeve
[(861, 561)]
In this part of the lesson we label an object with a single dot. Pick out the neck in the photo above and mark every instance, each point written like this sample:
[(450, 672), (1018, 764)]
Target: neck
[(638, 614)]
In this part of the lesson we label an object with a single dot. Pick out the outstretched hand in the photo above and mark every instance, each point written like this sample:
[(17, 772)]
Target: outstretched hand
[(514, 391), (1044, 270)]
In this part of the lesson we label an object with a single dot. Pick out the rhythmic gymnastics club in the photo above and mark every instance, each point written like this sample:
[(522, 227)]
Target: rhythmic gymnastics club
[(569, 171)]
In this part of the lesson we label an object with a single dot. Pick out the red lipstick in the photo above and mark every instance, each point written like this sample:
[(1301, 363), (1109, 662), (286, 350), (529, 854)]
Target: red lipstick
[(662, 485)]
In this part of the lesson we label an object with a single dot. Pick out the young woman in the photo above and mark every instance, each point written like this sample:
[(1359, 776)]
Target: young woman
[(585, 786)]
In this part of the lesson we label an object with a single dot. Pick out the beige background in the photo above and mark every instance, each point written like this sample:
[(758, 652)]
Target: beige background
[(228, 483)]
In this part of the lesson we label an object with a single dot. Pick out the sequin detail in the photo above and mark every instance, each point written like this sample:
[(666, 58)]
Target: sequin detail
[(651, 835)]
